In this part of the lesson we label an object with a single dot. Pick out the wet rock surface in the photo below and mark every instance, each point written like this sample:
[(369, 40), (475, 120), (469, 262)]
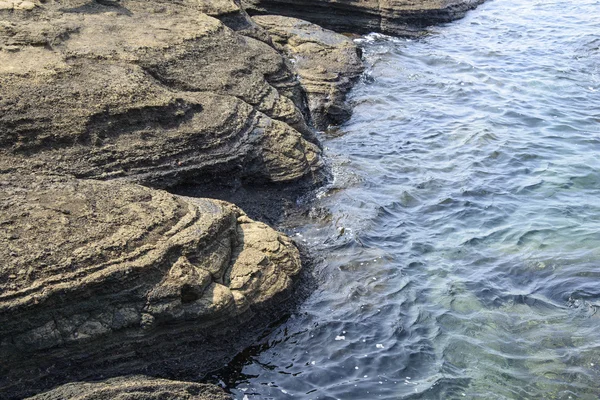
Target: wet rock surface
[(394, 17)]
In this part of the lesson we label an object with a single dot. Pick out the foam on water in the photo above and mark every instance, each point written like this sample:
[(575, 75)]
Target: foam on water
[(461, 236)]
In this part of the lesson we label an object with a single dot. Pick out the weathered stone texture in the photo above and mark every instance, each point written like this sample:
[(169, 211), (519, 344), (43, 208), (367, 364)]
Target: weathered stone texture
[(106, 278), (134, 388), (154, 92), (327, 63)]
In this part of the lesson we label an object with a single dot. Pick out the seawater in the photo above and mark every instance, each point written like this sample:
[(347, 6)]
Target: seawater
[(460, 237)]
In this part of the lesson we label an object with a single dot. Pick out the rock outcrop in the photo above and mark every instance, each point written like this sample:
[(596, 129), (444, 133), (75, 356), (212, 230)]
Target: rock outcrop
[(109, 278), (154, 92), (101, 277), (327, 63), (134, 388), (393, 17)]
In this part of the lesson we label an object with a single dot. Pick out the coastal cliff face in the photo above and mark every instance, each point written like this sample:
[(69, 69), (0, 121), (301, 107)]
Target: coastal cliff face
[(393, 17)]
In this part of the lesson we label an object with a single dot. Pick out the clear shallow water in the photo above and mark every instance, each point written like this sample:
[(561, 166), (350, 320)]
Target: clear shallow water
[(461, 236)]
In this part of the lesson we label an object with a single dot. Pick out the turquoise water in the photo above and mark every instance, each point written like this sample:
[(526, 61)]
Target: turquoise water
[(460, 238)]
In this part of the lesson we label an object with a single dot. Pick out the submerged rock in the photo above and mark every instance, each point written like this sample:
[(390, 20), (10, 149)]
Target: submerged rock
[(134, 388), (155, 92), (107, 278), (394, 17), (327, 63)]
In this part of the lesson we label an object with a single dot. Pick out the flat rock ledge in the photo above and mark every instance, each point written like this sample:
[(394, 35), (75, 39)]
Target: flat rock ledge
[(111, 278), (393, 17), (134, 388)]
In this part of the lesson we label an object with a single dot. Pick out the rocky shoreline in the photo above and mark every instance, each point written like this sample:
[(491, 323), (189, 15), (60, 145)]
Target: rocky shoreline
[(103, 105)]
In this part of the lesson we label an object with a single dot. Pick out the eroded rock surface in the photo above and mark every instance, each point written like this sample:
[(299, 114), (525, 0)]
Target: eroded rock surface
[(101, 277), (394, 17), (134, 388), (108, 278), (327, 63), (154, 92)]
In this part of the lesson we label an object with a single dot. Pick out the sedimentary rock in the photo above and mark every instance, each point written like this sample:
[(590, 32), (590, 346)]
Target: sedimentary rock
[(108, 278), (134, 388), (327, 63), (394, 17), (154, 92), (100, 277)]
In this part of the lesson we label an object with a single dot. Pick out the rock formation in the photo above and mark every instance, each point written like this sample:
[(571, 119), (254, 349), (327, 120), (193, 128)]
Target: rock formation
[(327, 63), (157, 92), (107, 278), (101, 277), (393, 17), (134, 388)]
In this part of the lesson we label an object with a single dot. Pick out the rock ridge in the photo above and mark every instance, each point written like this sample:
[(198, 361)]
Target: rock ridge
[(96, 91), (327, 63), (134, 388), (393, 17)]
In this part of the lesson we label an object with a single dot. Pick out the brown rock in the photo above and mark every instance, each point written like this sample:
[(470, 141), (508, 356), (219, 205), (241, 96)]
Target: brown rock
[(107, 278), (154, 92), (327, 63), (17, 5), (134, 388)]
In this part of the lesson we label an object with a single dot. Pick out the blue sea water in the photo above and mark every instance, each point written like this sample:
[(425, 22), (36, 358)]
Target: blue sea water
[(460, 237)]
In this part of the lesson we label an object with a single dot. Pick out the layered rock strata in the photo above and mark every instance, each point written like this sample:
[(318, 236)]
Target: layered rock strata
[(154, 92), (108, 278), (101, 279), (327, 63), (393, 17), (134, 388)]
